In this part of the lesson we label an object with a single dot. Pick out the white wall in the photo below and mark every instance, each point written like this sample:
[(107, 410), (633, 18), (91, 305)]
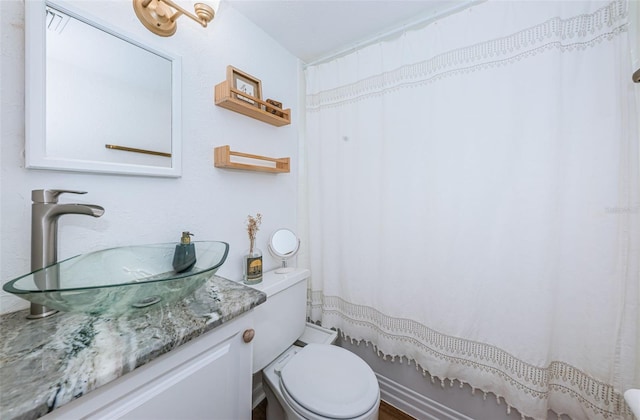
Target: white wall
[(212, 203)]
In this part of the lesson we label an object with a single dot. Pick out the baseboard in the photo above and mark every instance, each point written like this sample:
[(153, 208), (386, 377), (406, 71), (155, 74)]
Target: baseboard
[(415, 404)]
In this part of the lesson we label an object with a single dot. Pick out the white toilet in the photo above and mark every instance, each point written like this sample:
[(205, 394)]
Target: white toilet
[(313, 381)]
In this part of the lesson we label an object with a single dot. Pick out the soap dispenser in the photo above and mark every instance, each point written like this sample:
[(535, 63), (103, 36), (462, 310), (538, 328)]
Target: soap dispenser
[(185, 256)]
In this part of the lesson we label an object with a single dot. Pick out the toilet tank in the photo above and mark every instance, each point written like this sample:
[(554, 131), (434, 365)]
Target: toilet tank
[(282, 318)]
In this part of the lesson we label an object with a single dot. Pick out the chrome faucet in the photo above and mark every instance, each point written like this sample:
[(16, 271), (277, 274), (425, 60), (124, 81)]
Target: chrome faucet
[(45, 212)]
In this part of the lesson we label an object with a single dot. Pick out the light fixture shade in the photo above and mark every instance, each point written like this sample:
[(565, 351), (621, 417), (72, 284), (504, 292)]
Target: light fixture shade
[(215, 5)]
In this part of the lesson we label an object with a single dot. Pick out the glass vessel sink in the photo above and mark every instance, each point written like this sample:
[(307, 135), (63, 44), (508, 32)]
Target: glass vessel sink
[(119, 280)]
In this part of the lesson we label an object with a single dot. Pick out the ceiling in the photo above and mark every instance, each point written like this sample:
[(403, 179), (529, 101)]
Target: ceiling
[(316, 29)]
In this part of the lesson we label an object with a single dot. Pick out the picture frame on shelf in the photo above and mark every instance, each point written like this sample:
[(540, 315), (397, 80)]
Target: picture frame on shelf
[(246, 83)]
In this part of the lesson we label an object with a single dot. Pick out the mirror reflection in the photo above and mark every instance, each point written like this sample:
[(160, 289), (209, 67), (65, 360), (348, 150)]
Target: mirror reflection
[(85, 87), (284, 244), (111, 104)]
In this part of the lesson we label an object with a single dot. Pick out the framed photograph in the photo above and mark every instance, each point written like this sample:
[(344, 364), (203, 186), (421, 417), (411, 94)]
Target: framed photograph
[(246, 83)]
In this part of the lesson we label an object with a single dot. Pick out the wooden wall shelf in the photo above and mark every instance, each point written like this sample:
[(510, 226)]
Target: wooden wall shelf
[(222, 159), (225, 96)]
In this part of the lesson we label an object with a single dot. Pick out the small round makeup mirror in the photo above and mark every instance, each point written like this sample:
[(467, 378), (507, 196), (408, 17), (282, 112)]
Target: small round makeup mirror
[(284, 244)]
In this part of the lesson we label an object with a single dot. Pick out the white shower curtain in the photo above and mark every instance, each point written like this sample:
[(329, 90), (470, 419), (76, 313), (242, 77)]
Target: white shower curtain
[(473, 197)]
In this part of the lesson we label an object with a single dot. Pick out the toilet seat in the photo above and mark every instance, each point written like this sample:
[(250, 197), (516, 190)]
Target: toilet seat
[(329, 382), (305, 414)]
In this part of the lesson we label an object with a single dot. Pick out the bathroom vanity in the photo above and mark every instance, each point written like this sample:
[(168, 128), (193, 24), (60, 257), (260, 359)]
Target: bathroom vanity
[(190, 359)]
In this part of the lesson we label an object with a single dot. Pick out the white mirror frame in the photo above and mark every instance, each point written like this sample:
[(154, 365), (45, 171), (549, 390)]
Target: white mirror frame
[(284, 257), (35, 90)]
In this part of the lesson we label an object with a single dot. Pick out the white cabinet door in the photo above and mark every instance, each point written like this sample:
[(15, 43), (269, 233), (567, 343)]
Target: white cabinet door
[(206, 378)]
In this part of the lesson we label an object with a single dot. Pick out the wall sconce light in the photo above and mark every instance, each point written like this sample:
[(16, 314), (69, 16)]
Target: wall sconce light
[(159, 16)]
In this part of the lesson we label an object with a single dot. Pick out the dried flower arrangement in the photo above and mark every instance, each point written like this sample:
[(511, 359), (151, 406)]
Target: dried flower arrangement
[(253, 226)]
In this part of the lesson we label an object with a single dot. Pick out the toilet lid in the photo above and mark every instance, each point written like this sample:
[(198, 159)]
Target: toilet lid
[(330, 381)]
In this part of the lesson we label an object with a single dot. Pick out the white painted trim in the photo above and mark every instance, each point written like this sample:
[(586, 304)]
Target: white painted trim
[(35, 90), (415, 404)]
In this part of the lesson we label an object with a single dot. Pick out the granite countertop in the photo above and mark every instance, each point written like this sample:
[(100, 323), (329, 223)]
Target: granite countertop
[(47, 363)]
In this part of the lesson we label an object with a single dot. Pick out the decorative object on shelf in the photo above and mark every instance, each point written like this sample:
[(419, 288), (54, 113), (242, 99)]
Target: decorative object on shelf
[(284, 245), (276, 108), (242, 93), (244, 83), (222, 159), (159, 16), (252, 261)]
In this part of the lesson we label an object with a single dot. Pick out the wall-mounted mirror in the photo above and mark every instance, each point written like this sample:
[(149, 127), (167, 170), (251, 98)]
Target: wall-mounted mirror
[(284, 244), (98, 100)]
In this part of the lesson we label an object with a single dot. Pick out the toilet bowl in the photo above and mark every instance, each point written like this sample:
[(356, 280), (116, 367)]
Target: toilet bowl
[(310, 379)]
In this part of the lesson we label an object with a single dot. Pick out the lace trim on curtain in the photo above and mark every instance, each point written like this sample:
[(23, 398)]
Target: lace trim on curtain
[(536, 381), (578, 32)]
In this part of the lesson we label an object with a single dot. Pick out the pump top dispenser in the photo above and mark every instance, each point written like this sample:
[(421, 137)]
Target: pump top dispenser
[(185, 256)]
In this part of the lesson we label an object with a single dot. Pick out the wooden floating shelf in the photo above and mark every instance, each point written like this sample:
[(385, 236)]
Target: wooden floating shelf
[(227, 97), (222, 159)]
